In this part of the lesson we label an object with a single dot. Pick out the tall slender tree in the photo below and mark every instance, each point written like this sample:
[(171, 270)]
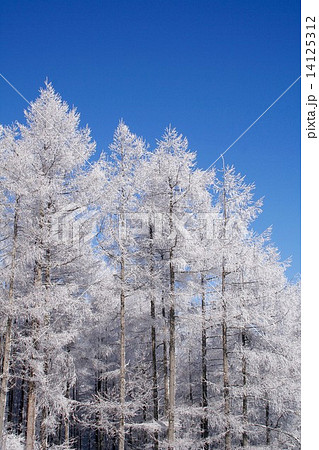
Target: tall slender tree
[(52, 150), (119, 203)]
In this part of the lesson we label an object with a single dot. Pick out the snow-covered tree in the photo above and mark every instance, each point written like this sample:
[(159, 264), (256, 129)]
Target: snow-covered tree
[(49, 155), (116, 241)]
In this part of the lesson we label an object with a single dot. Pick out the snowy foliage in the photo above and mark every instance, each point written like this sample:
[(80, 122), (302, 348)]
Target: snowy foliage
[(139, 308)]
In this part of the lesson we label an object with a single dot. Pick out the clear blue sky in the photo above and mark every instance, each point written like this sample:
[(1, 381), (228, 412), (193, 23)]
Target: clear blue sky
[(209, 68)]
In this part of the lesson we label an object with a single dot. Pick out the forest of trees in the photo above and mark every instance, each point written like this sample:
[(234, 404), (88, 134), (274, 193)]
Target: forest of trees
[(139, 309)]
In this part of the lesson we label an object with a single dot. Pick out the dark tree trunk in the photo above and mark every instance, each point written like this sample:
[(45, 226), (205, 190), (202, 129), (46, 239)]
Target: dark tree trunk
[(8, 331), (153, 339), (204, 421), (245, 405), (172, 343), (267, 423)]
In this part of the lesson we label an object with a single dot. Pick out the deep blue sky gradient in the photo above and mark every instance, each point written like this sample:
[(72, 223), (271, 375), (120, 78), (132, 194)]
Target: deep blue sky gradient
[(209, 68)]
